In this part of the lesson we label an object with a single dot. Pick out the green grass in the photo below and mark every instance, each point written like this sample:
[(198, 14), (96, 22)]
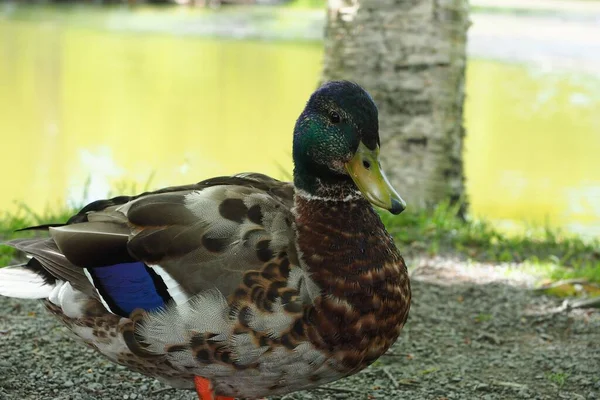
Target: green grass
[(443, 231), (558, 378), (483, 317), (312, 4), (435, 232)]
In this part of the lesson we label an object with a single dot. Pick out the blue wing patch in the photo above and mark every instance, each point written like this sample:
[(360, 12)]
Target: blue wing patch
[(127, 286)]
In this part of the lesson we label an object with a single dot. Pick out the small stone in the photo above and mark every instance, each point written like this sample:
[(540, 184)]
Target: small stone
[(93, 386), (68, 383)]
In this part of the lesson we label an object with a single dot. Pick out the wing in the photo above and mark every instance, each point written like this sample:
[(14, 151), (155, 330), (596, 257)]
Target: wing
[(143, 251)]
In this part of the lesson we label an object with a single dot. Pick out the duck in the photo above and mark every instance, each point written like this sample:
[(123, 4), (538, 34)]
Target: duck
[(242, 286)]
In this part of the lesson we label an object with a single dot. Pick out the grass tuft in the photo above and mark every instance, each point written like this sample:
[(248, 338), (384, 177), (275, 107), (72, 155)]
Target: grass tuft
[(558, 378)]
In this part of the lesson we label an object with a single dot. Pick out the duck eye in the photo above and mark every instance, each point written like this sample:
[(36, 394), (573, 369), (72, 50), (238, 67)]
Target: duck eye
[(334, 117)]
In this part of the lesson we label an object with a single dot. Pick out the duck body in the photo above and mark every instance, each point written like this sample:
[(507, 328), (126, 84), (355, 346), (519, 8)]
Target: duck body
[(260, 286)]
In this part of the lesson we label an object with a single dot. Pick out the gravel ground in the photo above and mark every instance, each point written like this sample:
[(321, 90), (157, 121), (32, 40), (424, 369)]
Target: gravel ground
[(473, 333)]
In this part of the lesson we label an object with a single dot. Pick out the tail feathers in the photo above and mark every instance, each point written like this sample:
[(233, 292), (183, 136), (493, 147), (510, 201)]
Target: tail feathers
[(24, 282), (39, 227)]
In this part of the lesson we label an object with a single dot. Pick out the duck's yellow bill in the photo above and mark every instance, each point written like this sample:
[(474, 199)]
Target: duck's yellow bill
[(365, 170)]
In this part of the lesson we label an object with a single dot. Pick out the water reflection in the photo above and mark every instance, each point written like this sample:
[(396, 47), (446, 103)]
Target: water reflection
[(532, 148)]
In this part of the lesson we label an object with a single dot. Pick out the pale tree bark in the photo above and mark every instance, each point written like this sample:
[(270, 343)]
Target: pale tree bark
[(410, 55)]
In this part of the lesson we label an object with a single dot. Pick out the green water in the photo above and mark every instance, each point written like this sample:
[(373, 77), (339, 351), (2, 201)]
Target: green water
[(533, 146), (114, 107)]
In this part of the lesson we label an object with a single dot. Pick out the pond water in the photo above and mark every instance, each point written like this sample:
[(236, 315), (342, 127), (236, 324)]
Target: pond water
[(99, 109)]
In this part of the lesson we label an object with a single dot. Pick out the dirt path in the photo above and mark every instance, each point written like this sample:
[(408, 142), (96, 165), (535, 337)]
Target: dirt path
[(472, 334)]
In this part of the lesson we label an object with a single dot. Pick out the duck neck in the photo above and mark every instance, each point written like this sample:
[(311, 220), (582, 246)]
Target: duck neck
[(345, 238), (324, 184)]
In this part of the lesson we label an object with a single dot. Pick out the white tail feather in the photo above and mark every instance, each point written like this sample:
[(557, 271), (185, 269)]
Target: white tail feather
[(23, 283)]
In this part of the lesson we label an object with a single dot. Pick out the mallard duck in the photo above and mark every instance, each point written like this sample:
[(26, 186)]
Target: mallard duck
[(238, 286)]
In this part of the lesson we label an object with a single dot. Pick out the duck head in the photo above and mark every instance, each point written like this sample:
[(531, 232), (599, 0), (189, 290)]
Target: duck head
[(336, 147)]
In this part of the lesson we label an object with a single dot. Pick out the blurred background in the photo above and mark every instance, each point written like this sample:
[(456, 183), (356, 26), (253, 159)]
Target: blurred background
[(100, 97)]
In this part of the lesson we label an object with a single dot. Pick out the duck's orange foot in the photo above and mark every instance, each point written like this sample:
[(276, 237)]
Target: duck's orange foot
[(205, 391)]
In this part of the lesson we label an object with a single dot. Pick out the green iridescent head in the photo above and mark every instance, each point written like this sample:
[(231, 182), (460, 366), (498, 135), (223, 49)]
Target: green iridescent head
[(336, 145)]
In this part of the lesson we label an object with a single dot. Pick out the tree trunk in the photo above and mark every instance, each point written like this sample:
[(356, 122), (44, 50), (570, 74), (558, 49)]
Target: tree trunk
[(410, 55)]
